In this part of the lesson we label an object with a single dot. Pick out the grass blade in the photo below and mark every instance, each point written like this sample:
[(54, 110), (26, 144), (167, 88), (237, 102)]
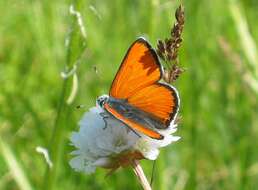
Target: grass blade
[(15, 168)]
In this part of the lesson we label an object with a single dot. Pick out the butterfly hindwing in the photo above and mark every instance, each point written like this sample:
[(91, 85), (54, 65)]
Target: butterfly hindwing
[(159, 99)]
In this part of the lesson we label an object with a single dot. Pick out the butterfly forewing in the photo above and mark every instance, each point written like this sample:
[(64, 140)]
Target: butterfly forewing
[(132, 124), (140, 68)]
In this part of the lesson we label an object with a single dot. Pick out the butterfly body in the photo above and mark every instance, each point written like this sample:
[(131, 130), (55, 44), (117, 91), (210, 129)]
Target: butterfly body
[(137, 97)]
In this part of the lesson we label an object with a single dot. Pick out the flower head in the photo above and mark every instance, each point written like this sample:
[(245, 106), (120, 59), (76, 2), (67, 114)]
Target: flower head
[(103, 141)]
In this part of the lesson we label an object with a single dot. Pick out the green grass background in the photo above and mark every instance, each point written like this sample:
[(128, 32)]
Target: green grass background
[(219, 109)]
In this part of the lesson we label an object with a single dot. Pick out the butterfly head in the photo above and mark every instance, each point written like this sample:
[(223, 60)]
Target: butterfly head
[(102, 100)]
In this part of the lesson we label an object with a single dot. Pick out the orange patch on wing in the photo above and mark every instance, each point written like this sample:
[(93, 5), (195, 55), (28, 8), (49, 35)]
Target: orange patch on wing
[(157, 99)]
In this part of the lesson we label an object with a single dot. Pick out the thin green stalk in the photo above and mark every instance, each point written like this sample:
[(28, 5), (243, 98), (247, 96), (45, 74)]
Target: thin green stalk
[(55, 145), (246, 39), (17, 173), (160, 167)]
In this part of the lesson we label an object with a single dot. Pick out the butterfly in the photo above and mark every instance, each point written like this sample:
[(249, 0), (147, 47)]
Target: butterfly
[(137, 98)]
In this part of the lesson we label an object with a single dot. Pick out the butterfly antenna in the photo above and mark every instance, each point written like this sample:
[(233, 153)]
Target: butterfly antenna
[(152, 172)]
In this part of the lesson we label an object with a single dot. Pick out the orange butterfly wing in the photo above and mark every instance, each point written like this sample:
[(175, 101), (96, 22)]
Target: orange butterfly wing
[(140, 68), (159, 99), (137, 82)]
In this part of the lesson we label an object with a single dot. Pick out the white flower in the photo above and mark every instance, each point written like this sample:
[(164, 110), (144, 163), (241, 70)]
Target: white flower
[(103, 141)]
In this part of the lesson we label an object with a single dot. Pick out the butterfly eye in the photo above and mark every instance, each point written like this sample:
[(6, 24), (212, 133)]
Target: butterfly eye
[(102, 100)]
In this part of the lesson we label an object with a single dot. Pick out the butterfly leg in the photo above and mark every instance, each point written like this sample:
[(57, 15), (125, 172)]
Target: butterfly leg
[(104, 116)]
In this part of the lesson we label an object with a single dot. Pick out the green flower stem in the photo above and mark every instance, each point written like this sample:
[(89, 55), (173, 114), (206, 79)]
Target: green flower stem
[(56, 141)]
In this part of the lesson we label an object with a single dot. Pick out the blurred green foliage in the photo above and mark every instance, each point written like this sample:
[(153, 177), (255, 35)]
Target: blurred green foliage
[(218, 91)]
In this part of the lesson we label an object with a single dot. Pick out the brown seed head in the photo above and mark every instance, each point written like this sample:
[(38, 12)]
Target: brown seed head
[(167, 50)]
